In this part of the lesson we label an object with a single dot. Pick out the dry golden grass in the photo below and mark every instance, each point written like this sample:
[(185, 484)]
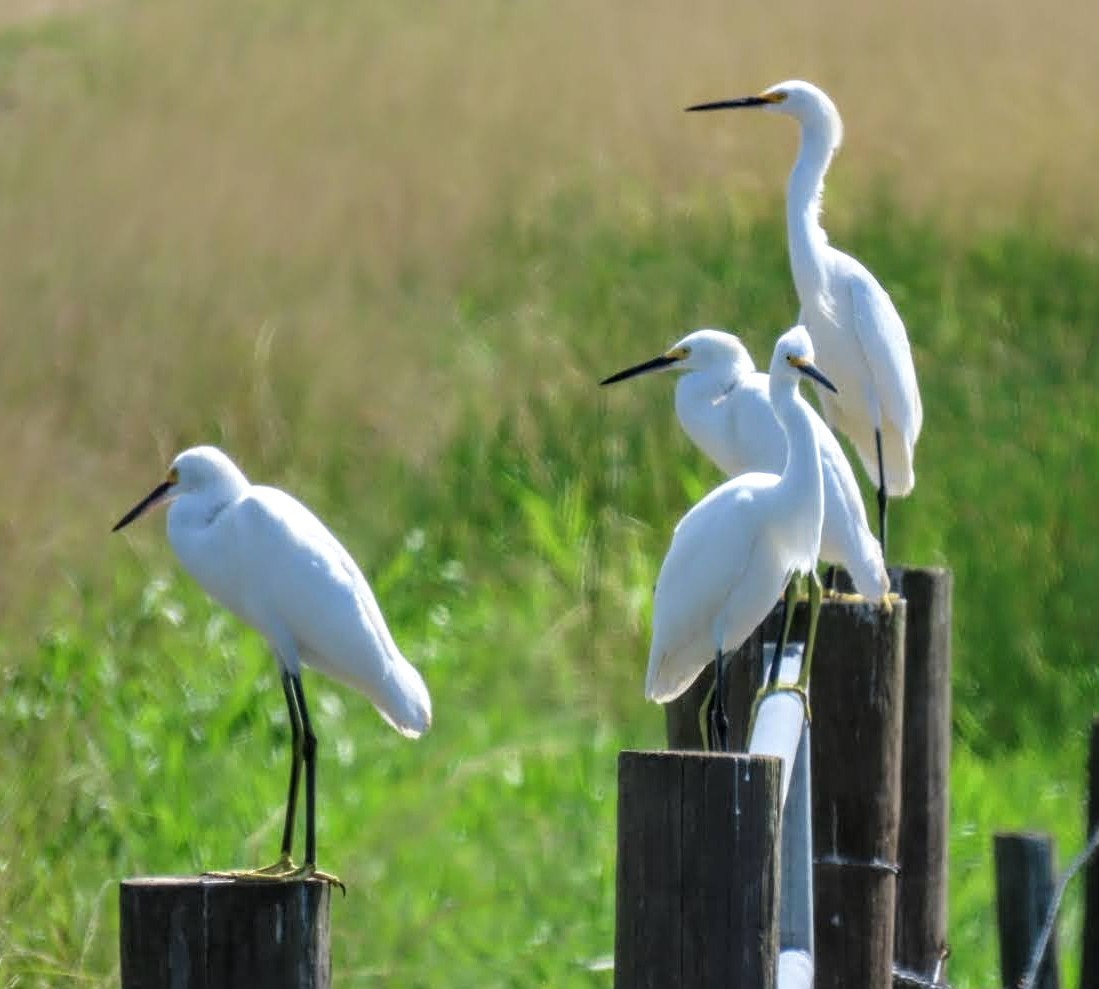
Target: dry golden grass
[(212, 213)]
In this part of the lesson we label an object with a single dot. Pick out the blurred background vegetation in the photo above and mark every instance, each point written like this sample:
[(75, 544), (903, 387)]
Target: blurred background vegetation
[(381, 253)]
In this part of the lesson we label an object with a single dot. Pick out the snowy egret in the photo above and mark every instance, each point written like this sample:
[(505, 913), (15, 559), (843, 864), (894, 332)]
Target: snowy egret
[(724, 406), (855, 327), (735, 551), (273, 563)]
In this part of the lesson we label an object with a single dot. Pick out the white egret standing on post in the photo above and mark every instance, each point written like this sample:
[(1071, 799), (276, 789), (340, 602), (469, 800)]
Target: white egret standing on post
[(737, 549), (856, 330), (263, 555), (723, 404)]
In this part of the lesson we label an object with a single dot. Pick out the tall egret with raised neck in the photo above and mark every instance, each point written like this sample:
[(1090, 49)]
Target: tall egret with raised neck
[(263, 555), (723, 404), (855, 327), (733, 553)]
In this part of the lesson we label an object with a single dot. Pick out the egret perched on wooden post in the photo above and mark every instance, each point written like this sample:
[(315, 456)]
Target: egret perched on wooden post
[(856, 330), (724, 406), (736, 550), (268, 559)]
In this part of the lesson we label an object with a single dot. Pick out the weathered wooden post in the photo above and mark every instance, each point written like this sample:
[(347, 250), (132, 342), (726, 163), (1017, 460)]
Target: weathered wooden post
[(857, 699), (1024, 891), (195, 932), (923, 844), (1089, 973), (698, 850)]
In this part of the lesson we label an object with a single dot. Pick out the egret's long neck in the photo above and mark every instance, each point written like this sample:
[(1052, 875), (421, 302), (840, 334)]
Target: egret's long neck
[(804, 191), (802, 472)]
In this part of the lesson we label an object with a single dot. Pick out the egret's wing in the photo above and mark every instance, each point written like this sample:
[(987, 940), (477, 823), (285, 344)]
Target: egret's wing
[(883, 339), (301, 576), (708, 556)]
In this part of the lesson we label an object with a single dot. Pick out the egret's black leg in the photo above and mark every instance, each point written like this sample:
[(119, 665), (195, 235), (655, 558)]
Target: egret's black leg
[(305, 751), (706, 713), (309, 757), (719, 721), (830, 579), (296, 758), (284, 868), (881, 492)]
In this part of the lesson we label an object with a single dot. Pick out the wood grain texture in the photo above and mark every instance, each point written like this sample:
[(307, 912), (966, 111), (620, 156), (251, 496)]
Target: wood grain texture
[(205, 933), (698, 849)]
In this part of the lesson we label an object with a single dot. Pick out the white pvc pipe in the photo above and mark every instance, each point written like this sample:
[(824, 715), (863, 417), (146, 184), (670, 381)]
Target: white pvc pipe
[(781, 729), (795, 970), (779, 720)]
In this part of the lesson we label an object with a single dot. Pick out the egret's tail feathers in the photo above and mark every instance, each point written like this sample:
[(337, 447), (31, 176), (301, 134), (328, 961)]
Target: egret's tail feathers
[(867, 568), (900, 477), (667, 679), (402, 699)]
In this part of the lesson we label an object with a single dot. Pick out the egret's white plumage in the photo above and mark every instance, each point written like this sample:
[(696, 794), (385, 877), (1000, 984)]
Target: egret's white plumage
[(263, 555), (735, 551), (856, 330), (268, 559), (724, 406)]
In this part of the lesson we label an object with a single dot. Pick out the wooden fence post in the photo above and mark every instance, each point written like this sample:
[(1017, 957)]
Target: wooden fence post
[(204, 933), (1089, 972), (923, 844), (1024, 890), (857, 700), (697, 871)]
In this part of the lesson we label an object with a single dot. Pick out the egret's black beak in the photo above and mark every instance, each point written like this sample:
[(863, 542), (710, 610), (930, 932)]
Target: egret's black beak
[(656, 364), (812, 371), (732, 104), (154, 497)]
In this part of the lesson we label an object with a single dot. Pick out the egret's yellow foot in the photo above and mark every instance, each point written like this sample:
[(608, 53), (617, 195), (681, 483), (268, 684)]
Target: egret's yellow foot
[(282, 871), (277, 870), (312, 872), (779, 688)]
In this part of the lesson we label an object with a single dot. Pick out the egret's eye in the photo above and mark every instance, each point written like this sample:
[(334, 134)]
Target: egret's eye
[(789, 358), (173, 475)]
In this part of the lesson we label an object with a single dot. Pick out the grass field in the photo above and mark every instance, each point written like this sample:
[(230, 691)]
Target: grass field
[(382, 253)]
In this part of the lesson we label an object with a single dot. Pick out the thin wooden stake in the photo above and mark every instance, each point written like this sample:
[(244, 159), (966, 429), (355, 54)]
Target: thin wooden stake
[(1089, 974), (1024, 890), (923, 843)]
